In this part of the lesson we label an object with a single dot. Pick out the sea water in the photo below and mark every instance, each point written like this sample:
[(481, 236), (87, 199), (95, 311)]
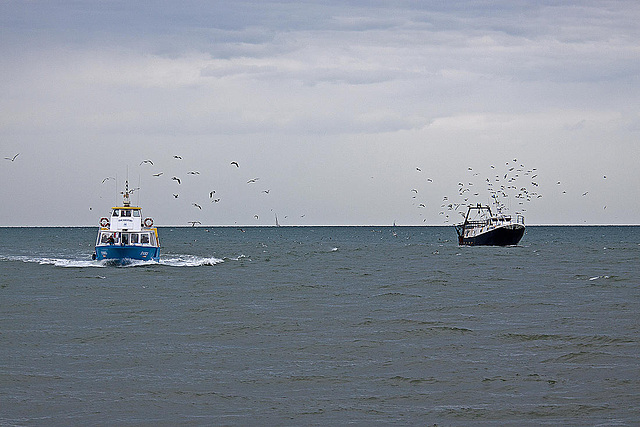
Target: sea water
[(322, 326)]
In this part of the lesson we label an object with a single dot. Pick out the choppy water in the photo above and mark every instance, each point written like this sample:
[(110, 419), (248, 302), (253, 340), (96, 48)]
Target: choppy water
[(322, 326)]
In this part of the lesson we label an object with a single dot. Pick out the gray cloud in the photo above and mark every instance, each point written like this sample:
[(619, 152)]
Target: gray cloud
[(393, 82)]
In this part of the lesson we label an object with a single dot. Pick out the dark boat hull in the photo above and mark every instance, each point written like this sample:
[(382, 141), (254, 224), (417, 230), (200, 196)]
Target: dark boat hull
[(502, 236)]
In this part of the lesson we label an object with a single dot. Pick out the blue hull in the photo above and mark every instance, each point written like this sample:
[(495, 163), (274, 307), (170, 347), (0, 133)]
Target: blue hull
[(122, 254)]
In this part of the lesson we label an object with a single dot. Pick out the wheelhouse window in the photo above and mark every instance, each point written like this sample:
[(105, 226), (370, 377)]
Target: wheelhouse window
[(134, 238), (136, 213), (107, 238), (125, 238), (144, 238), (115, 212), (126, 212)]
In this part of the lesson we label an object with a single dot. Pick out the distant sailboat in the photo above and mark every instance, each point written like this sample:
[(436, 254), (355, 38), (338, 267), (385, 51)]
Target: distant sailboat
[(277, 223)]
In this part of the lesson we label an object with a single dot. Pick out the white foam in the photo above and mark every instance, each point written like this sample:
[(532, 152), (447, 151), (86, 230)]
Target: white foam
[(58, 262), (189, 261), (171, 261)]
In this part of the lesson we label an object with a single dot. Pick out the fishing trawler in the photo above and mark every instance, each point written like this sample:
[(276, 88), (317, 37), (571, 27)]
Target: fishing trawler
[(125, 236), (488, 229)]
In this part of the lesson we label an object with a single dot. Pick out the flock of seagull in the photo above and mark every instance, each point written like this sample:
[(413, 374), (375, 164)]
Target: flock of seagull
[(514, 183), (504, 188), (213, 195)]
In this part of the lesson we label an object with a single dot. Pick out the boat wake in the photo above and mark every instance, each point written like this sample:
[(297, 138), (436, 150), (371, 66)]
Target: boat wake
[(188, 261), (169, 261)]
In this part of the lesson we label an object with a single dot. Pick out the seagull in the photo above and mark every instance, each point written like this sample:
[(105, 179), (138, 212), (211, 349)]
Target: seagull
[(177, 157), (107, 179), (175, 196), (236, 164), (585, 193), (215, 200), (419, 170), (158, 174), (252, 180), (211, 193), (266, 191), (12, 158), (413, 189), (193, 173), (175, 178), (197, 206), (193, 223), (146, 161), (255, 216)]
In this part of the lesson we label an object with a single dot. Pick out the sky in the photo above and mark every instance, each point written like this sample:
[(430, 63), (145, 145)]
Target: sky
[(336, 112)]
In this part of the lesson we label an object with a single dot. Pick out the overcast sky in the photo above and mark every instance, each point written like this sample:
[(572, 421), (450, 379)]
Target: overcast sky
[(347, 112)]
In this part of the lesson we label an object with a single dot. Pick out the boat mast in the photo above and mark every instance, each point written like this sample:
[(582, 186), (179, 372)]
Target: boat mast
[(125, 194)]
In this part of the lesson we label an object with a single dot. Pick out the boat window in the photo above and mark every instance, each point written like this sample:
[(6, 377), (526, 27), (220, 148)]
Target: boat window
[(115, 212), (104, 237), (126, 212), (136, 213), (144, 238), (134, 238), (125, 239), (153, 239)]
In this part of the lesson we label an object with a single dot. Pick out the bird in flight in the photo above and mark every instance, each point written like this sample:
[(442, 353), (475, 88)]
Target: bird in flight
[(158, 174), (193, 173), (177, 157), (146, 161), (235, 164), (211, 193), (197, 206), (175, 178), (107, 179), (255, 216), (266, 191), (193, 223), (12, 158), (175, 196), (252, 180), (215, 200)]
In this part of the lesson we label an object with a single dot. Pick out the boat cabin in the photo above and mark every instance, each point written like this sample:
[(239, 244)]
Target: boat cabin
[(138, 238), (126, 227), (125, 218)]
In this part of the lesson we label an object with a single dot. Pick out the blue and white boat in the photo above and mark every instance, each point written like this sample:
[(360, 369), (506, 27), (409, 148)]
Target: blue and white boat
[(125, 236)]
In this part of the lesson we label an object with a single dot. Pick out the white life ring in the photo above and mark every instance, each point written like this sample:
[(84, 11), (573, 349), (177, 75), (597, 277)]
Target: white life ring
[(104, 222), (148, 222)]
